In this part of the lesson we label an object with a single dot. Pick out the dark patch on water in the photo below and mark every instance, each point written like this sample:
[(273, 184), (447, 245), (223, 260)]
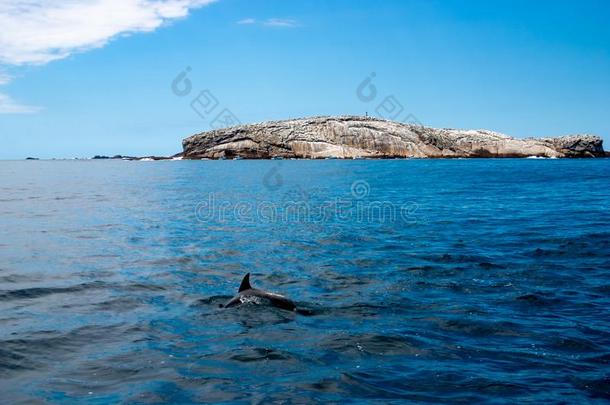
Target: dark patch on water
[(36, 292)]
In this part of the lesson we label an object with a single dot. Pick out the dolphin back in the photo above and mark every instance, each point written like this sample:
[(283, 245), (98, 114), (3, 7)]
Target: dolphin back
[(246, 290), (279, 301)]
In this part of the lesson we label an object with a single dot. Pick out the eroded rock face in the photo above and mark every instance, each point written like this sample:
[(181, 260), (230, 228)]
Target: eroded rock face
[(352, 137)]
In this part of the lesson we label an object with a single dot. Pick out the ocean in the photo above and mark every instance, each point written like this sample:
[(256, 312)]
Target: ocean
[(441, 281)]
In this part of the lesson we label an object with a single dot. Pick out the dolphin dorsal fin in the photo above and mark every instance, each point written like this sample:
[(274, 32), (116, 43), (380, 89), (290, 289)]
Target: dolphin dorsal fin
[(245, 283)]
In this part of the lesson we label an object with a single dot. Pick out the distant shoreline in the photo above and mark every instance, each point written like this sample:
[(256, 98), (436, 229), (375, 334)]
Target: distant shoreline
[(164, 158), (366, 138)]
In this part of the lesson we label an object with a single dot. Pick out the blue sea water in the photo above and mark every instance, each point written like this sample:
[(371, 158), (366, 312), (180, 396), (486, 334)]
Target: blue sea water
[(423, 280)]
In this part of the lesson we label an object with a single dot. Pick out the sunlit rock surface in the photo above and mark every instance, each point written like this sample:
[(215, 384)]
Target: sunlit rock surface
[(347, 137)]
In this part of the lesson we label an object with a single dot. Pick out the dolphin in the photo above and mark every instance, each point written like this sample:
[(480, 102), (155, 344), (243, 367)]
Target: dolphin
[(248, 294)]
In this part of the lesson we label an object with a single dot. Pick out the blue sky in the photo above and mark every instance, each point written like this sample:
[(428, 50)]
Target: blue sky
[(103, 85)]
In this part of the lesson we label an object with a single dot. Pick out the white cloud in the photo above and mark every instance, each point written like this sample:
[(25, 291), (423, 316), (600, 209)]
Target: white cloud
[(280, 22), (40, 31), (271, 22), (5, 78), (247, 21), (10, 106), (35, 32)]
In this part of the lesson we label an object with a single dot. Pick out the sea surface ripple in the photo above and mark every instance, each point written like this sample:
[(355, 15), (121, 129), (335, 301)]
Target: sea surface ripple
[(434, 281)]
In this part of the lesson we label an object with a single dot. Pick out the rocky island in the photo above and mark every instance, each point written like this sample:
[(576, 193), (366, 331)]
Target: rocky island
[(347, 137)]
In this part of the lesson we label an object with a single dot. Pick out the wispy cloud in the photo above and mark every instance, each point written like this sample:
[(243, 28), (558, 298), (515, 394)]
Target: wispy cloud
[(40, 31), (247, 21), (270, 22), (36, 32), (10, 106), (280, 22), (5, 78)]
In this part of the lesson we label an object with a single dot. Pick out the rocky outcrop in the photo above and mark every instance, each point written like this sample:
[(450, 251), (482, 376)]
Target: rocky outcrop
[(366, 137)]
